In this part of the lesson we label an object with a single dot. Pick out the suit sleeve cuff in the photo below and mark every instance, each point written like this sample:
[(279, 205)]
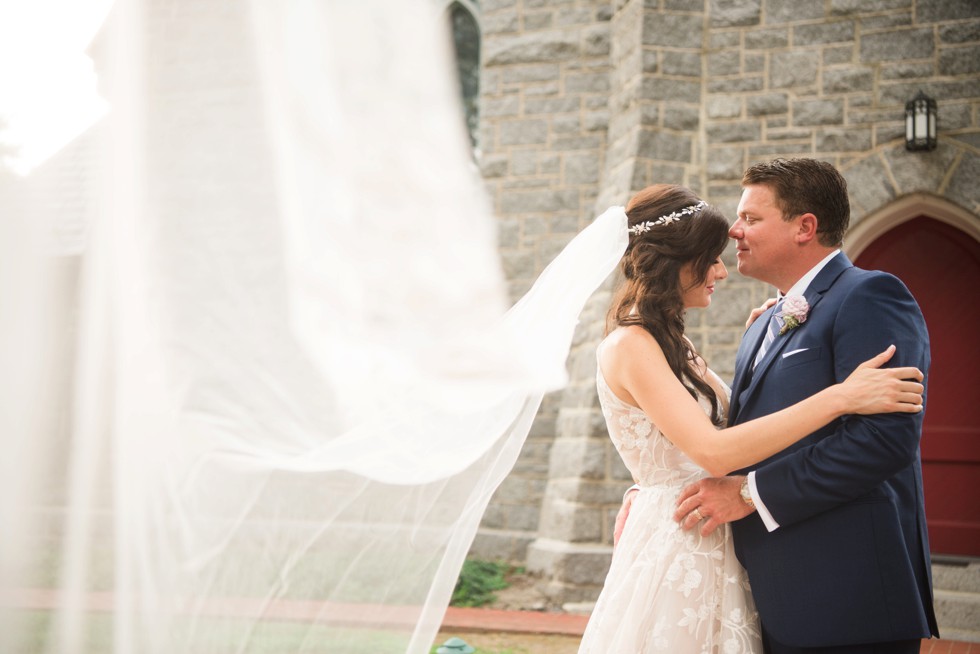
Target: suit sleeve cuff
[(767, 518)]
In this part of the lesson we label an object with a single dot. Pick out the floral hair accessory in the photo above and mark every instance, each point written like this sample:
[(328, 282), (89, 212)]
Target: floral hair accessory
[(639, 228), (793, 313)]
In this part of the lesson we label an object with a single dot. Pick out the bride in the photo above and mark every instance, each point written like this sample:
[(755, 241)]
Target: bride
[(669, 590)]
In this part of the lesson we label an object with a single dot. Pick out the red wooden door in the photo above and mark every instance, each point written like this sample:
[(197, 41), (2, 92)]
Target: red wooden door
[(941, 266)]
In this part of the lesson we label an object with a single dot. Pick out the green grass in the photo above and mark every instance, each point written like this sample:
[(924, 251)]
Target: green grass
[(477, 582)]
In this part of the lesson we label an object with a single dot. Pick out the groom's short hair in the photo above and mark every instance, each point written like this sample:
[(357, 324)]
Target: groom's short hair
[(806, 186)]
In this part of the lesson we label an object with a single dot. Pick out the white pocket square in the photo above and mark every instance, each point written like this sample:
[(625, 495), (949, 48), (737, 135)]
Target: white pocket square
[(789, 354)]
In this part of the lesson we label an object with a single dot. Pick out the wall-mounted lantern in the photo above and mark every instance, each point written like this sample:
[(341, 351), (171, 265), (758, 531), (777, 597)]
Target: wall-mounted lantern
[(920, 123)]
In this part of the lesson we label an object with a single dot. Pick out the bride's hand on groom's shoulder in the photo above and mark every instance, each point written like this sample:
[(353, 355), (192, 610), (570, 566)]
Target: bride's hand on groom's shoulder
[(758, 311), (711, 503)]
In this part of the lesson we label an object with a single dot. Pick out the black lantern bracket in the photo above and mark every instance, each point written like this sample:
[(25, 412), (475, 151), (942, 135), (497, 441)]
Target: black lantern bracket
[(920, 123)]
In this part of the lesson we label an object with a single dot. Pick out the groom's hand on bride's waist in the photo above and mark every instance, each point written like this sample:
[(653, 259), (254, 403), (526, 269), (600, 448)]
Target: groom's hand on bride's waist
[(711, 502)]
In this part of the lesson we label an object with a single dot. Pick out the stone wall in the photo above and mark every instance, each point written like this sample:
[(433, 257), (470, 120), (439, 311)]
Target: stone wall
[(583, 103)]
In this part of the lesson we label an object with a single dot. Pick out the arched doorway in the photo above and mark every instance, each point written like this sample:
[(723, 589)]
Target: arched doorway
[(941, 266)]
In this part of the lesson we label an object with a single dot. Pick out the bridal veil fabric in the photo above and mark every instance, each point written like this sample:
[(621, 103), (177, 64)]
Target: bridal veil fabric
[(264, 402)]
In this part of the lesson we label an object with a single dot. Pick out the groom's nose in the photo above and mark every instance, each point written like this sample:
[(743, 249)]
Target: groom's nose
[(735, 231)]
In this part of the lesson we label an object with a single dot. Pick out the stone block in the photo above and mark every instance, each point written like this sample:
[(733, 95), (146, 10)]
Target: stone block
[(545, 46), (934, 12), (963, 188), (899, 94), (523, 132), (868, 185), (569, 563), (822, 33), (767, 104), (960, 32), (538, 20), (773, 150), (595, 40), (523, 163), (497, 545), (581, 169), (726, 62), (572, 16), (788, 11), (849, 7), (788, 69), (734, 13), (541, 88), (723, 106), (843, 140), (518, 264), (892, 45), (748, 130), (565, 143), (886, 133), (848, 80), (518, 490), (722, 40), (841, 54), (549, 163), (818, 112), (522, 517), (768, 38), (725, 163), (566, 124), (571, 522), (743, 84), (587, 83), (550, 106), (732, 306), (672, 30), (682, 117), (959, 61), (492, 166), (683, 64), (659, 88), (490, 6), (493, 517), (508, 233), (531, 73), (656, 144), (539, 201), (595, 121), (499, 24), (754, 63), (577, 457), (869, 23), (919, 171), (906, 70), (508, 105)]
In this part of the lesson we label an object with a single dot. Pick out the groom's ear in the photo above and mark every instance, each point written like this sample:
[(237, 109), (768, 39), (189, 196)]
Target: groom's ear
[(807, 228)]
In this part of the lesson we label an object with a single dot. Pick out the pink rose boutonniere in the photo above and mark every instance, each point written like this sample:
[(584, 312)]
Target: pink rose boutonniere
[(793, 313)]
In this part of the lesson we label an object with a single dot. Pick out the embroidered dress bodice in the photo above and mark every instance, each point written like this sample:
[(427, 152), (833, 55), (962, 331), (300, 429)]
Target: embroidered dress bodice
[(667, 591)]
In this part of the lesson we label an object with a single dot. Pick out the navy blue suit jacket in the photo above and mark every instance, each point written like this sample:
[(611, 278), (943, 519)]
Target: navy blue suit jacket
[(850, 561)]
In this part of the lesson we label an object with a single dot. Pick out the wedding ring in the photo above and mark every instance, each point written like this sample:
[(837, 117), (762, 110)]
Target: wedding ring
[(697, 514)]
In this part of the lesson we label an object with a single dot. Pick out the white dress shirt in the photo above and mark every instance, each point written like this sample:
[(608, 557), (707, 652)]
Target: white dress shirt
[(799, 288)]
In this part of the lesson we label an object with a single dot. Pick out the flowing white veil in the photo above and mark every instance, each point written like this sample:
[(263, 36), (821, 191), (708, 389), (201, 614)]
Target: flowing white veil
[(268, 409)]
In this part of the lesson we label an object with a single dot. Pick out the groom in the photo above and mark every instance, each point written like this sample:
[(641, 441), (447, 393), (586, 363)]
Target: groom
[(831, 530)]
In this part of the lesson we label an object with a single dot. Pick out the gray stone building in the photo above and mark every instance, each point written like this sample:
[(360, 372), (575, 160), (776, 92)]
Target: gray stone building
[(583, 102)]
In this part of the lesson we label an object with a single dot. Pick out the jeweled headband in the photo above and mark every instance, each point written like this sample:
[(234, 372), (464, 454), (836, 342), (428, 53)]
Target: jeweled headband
[(639, 228)]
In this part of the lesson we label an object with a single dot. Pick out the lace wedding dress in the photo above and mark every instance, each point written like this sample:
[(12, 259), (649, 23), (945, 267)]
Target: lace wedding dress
[(667, 590)]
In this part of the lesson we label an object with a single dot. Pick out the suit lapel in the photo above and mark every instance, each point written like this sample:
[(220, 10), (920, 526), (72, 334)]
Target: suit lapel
[(753, 378), (751, 341)]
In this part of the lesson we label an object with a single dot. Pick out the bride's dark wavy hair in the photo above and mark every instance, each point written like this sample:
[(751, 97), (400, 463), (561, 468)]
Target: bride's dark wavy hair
[(652, 270)]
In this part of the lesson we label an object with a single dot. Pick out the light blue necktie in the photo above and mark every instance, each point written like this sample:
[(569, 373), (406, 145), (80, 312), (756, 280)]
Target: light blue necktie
[(775, 324)]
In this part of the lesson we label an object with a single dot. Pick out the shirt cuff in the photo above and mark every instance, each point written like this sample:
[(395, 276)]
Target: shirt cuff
[(631, 488), (767, 518)]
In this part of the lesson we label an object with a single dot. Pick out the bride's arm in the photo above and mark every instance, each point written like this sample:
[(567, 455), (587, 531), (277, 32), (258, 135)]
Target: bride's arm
[(634, 365)]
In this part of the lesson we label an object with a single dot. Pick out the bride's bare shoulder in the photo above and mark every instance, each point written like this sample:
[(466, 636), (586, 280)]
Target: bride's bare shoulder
[(628, 342)]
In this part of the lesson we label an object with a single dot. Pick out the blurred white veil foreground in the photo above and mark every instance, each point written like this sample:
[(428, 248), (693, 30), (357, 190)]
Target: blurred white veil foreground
[(267, 410)]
